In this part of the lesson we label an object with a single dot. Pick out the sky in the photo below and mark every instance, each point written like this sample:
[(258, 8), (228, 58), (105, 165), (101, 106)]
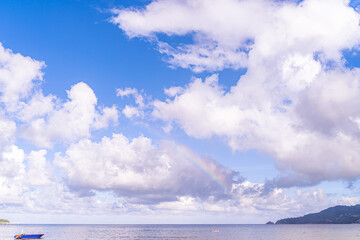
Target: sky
[(178, 111)]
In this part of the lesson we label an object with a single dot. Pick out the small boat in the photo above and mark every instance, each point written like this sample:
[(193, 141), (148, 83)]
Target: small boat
[(28, 236)]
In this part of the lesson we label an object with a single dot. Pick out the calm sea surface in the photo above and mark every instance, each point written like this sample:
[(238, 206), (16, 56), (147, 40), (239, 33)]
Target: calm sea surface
[(226, 232)]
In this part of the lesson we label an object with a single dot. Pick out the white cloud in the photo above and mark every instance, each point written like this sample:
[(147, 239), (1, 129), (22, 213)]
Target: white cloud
[(28, 184), (20, 173), (139, 169), (132, 111), (108, 115), (127, 92), (199, 101), (39, 105), (68, 121), (12, 174), (7, 130), (139, 99), (45, 120), (224, 32), (18, 76), (200, 58), (173, 91), (38, 169)]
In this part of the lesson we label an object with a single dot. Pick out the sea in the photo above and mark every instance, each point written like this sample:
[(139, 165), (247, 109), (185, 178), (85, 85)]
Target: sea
[(188, 232)]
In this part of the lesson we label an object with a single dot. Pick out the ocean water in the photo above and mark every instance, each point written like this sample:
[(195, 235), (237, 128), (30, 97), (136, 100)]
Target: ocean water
[(188, 232)]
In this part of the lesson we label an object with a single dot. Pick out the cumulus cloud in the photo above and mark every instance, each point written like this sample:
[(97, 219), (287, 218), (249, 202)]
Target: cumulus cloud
[(28, 184), (18, 76), (37, 106), (12, 174), (45, 120), (226, 33), (21, 172), (7, 130), (65, 121), (105, 117), (140, 170), (127, 92), (132, 111)]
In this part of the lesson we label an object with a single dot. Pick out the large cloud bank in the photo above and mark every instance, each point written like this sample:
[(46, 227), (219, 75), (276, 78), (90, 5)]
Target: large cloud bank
[(298, 100)]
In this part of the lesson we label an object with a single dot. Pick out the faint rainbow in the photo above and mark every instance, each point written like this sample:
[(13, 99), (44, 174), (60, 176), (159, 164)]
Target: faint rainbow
[(192, 157), (201, 164)]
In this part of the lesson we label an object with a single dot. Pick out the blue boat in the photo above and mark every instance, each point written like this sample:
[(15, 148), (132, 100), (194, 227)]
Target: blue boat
[(28, 236)]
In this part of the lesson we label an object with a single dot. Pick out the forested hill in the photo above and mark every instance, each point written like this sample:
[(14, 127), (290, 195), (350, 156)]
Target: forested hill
[(4, 221), (333, 215)]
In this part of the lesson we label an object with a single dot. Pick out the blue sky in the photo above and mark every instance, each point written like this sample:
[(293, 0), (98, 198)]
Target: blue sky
[(141, 110)]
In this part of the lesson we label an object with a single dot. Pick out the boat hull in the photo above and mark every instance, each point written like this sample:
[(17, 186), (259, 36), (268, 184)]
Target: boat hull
[(28, 236)]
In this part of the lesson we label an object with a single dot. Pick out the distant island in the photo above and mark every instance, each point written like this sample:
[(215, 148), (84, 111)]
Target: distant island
[(333, 215), (4, 221)]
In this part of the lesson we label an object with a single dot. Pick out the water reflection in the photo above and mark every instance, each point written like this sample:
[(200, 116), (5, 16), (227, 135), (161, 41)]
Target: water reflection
[(201, 232)]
